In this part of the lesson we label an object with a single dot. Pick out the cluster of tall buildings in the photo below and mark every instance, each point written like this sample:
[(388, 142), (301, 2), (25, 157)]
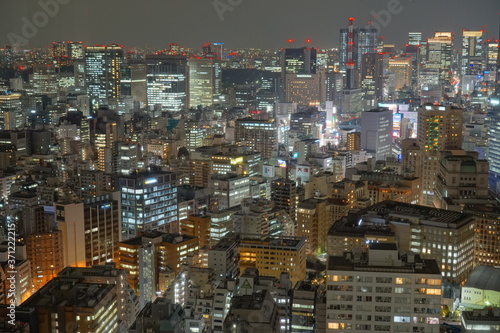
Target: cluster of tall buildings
[(351, 189)]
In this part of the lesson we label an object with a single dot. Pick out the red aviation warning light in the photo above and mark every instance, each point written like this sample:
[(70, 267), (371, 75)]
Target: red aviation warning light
[(290, 41), (308, 41)]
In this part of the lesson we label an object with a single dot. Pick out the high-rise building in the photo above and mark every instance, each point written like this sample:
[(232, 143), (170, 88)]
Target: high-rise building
[(102, 72), (364, 41), (90, 229), (11, 114), (439, 54), (439, 128), (299, 60), (197, 226), (414, 38), (382, 291), (223, 259), (376, 132), (472, 52), (45, 251), (229, 189), (303, 89), (149, 202), (260, 135), (204, 81), (493, 152), (284, 195), (401, 68), (66, 53), (167, 82), (314, 217)]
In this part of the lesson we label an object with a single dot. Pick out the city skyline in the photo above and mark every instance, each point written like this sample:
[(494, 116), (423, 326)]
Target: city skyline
[(233, 22)]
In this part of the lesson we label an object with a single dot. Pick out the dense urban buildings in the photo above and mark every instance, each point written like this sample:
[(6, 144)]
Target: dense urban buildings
[(343, 184)]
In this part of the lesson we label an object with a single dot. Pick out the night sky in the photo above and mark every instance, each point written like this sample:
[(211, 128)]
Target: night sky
[(242, 23)]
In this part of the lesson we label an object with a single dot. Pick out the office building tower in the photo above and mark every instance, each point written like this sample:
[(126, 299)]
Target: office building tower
[(102, 73), (299, 60), (285, 196), (364, 41), (223, 259), (149, 202), (45, 251), (204, 81), (314, 217), (376, 132), (414, 38), (90, 229), (382, 291), (197, 227), (229, 189), (401, 68), (472, 52), (439, 55), (167, 82), (272, 256), (236, 161), (11, 114), (334, 83), (303, 89), (439, 128), (105, 136), (490, 51), (493, 152), (374, 69), (353, 141), (259, 135), (102, 216), (66, 53)]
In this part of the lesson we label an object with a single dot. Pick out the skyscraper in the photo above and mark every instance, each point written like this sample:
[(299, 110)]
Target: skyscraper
[(414, 38), (401, 68), (493, 153), (472, 55), (65, 53), (439, 54), (149, 202), (439, 128), (376, 132), (299, 60), (364, 41), (102, 72), (260, 135), (167, 82), (204, 81)]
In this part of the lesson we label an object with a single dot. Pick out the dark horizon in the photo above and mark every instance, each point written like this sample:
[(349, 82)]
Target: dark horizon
[(238, 23)]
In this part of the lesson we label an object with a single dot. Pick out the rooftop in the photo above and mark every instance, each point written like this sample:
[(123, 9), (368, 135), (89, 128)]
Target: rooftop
[(484, 278)]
